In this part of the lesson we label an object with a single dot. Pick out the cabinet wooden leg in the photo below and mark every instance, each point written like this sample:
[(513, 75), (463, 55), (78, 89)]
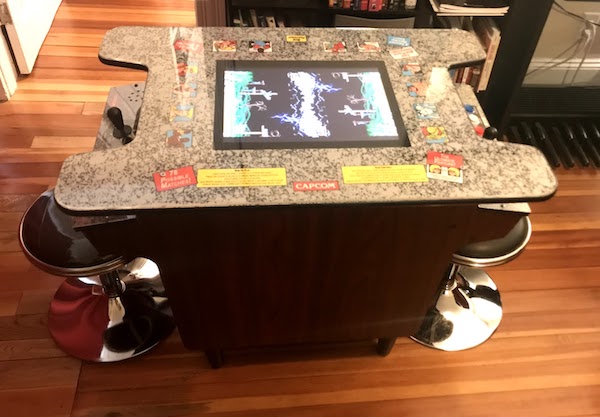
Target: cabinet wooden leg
[(385, 345), (214, 357)]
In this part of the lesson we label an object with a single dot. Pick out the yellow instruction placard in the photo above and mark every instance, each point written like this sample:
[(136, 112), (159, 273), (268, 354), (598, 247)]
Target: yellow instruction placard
[(241, 177), (295, 38), (384, 174)]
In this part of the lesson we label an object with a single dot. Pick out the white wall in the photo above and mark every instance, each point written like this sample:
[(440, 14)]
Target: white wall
[(559, 33)]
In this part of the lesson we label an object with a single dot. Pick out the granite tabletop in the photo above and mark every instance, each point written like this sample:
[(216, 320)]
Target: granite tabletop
[(176, 127)]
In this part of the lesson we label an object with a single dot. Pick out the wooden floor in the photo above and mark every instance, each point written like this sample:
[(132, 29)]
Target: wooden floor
[(543, 361)]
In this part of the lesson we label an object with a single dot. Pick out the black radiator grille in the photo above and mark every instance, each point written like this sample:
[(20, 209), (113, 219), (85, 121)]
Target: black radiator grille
[(566, 141)]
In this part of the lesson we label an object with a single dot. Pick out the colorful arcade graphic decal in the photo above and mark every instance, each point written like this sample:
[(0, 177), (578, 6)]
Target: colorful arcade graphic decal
[(307, 106)]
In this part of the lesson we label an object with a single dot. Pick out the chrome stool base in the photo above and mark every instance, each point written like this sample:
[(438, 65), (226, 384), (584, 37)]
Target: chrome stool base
[(466, 314), (92, 325)]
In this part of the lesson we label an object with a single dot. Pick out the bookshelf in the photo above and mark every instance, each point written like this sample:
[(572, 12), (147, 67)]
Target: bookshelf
[(521, 28), (319, 13)]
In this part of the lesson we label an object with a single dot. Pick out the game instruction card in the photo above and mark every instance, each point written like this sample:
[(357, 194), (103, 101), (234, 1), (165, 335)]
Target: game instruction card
[(416, 89), (224, 46), (368, 46), (412, 68), (445, 167), (260, 46), (434, 134), (334, 47), (402, 53), (426, 111), (398, 41)]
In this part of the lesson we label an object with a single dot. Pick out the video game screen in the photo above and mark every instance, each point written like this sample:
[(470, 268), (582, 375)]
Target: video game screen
[(304, 104)]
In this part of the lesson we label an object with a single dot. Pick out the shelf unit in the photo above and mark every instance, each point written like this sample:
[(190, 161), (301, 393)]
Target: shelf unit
[(521, 28), (318, 12)]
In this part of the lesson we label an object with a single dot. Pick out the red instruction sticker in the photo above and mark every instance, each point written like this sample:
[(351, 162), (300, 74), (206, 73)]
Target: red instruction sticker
[(174, 178), (316, 185), (445, 167), (185, 45)]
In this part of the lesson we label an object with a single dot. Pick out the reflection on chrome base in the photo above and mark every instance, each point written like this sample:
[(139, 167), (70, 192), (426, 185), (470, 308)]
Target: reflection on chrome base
[(466, 314), (91, 322)]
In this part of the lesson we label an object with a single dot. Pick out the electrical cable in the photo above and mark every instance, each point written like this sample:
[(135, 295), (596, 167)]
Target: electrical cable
[(587, 49), (575, 45), (573, 15)]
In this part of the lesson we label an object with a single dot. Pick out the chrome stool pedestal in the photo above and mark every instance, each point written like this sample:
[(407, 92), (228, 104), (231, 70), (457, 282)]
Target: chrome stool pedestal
[(469, 309), (107, 309)]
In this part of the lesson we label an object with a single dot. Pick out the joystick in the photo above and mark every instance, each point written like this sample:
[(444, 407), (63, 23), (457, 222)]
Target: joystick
[(121, 130), (490, 132)]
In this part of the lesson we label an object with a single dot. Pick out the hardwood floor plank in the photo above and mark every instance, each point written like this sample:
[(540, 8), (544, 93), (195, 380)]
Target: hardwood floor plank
[(545, 279), (30, 170), (552, 300), (34, 185), (29, 349), (20, 108), (38, 402), (93, 108), (548, 322), (554, 258), (566, 221), (16, 202), (35, 301), (32, 326), (557, 239), (51, 142), (302, 392), (36, 155), (9, 221), (9, 301), (30, 280), (247, 368), (18, 374), (15, 140), (568, 204), (9, 242), (552, 403)]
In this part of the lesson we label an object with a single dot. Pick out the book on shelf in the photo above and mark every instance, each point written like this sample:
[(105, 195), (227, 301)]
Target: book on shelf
[(489, 34), (270, 20), (242, 18), (470, 7), (372, 5), (253, 18)]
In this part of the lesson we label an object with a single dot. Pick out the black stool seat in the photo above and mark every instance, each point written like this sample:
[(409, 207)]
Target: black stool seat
[(469, 308), (496, 251), (107, 309), (52, 244)]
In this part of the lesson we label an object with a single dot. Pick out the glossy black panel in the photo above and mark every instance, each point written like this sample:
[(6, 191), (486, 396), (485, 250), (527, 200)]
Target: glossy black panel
[(48, 235)]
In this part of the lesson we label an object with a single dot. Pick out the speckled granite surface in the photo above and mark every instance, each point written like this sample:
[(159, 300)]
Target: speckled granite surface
[(121, 179)]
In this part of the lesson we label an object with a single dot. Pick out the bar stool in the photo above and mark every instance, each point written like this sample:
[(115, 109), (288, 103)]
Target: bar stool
[(109, 308), (469, 309)]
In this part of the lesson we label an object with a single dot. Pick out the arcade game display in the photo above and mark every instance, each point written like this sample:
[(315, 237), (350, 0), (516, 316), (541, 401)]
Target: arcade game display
[(303, 104)]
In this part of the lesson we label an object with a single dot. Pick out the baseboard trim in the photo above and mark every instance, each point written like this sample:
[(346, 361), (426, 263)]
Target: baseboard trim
[(564, 75)]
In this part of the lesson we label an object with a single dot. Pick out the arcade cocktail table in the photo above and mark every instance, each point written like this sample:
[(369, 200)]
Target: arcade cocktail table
[(279, 179)]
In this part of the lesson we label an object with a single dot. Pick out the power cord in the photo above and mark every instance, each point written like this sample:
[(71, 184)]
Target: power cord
[(564, 11), (588, 46), (575, 45)]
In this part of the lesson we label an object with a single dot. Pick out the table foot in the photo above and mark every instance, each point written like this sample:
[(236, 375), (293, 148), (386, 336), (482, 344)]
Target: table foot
[(214, 357), (385, 345)]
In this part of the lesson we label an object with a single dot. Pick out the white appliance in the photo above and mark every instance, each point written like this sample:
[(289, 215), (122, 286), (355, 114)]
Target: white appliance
[(25, 24)]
